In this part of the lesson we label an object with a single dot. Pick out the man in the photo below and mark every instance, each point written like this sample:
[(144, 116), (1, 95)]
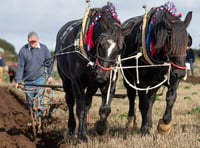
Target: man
[(32, 59), (190, 58), (12, 72), (1, 68)]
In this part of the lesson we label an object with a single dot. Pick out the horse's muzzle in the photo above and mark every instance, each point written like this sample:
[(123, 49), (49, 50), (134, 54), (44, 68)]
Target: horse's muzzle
[(102, 76), (179, 73)]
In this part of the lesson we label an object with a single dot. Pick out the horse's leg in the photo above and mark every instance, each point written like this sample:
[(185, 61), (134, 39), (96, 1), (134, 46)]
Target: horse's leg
[(146, 101), (69, 97), (83, 105), (81, 110), (151, 96), (89, 94), (144, 107), (165, 125), (131, 113), (102, 126), (70, 100)]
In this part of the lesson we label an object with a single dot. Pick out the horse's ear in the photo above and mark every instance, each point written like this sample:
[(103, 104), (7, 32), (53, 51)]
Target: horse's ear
[(120, 42), (189, 40), (188, 18)]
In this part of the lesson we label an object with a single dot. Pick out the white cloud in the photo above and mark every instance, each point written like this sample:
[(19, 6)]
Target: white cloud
[(18, 17)]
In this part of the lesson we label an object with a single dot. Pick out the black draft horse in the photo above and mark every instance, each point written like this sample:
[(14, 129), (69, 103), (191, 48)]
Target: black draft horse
[(83, 74), (165, 38)]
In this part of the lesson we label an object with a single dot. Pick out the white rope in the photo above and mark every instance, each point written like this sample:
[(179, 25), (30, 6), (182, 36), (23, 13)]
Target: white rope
[(119, 66), (108, 92), (166, 77), (139, 54), (110, 82)]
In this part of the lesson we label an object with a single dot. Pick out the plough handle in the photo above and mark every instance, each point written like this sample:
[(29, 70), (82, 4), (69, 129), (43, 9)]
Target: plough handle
[(44, 85)]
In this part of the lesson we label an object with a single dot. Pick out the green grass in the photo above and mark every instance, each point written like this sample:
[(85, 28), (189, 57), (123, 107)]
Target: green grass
[(56, 76), (158, 99), (188, 98), (196, 110), (194, 93), (187, 87), (124, 115)]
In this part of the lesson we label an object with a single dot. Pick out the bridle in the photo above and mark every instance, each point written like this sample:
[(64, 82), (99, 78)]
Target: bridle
[(98, 57)]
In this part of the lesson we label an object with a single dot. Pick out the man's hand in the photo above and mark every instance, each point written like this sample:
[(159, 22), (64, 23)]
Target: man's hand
[(16, 85), (50, 80)]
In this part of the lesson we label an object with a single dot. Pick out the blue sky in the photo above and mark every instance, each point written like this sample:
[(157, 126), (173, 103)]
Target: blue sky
[(46, 17)]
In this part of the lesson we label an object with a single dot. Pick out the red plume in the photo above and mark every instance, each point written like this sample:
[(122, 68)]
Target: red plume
[(89, 41)]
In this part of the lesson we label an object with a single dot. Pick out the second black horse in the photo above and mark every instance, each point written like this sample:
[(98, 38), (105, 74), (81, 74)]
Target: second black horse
[(161, 38)]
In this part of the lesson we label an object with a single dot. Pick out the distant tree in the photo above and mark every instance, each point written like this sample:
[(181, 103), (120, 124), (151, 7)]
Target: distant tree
[(7, 46)]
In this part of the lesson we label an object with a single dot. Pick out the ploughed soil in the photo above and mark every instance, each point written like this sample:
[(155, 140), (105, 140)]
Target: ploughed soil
[(13, 120), (193, 79), (14, 129)]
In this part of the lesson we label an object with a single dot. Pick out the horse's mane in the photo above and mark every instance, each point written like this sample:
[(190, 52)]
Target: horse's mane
[(110, 21), (106, 20)]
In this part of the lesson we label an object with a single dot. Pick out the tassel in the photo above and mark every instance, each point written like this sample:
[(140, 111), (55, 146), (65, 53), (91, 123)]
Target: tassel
[(89, 41), (89, 118), (153, 49)]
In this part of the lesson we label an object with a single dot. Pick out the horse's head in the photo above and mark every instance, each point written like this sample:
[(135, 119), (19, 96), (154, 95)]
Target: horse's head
[(107, 53), (107, 41), (170, 37), (178, 44)]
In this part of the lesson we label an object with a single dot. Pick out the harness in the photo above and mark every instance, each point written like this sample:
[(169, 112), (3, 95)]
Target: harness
[(143, 52), (143, 49)]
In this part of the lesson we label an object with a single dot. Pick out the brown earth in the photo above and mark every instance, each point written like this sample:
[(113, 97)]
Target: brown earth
[(193, 79), (14, 132), (13, 121)]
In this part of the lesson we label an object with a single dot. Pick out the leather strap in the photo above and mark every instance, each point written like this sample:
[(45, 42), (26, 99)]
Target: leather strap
[(144, 48)]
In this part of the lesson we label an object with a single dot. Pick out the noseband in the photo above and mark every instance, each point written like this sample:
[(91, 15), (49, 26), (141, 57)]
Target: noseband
[(177, 66), (98, 57), (104, 68)]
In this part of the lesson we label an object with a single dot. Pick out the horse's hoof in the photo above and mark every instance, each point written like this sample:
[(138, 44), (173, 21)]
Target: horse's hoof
[(39, 132), (145, 131), (131, 123), (80, 140), (102, 127), (163, 128)]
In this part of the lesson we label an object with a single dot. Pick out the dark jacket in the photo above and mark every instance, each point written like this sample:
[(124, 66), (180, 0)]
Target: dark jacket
[(31, 63), (190, 55)]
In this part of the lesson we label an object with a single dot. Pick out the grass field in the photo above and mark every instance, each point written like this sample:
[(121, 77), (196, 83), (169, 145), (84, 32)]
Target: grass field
[(186, 121)]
